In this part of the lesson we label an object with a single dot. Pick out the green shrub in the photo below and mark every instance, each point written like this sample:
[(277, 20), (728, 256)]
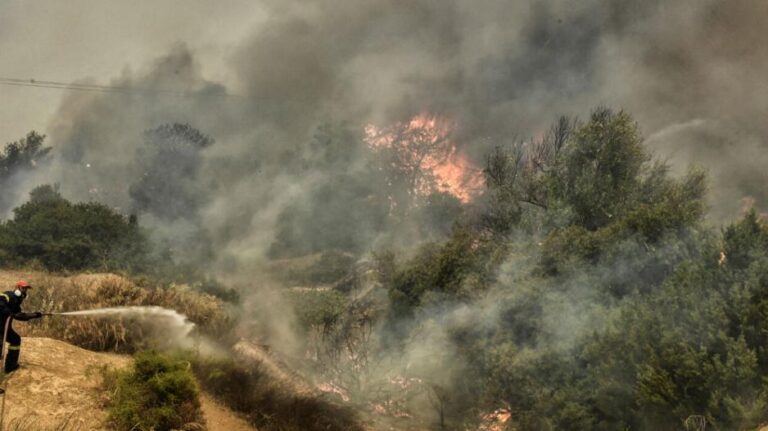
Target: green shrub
[(158, 393), (317, 307), (74, 236)]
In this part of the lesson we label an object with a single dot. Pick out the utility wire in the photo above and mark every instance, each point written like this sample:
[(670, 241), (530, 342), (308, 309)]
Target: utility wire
[(28, 84), (16, 82), (59, 84)]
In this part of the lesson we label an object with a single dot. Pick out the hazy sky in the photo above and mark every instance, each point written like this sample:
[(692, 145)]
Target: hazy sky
[(72, 40)]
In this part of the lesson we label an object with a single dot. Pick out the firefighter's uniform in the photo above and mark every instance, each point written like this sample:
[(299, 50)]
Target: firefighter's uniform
[(10, 310)]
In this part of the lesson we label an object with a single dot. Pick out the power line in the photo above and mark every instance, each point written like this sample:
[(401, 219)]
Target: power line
[(71, 86), (33, 84)]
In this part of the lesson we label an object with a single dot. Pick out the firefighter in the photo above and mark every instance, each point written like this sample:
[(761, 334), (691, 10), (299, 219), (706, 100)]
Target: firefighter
[(10, 310)]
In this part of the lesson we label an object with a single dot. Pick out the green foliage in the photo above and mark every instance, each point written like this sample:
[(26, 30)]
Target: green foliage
[(615, 307), (590, 176), (690, 348), (694, 345), (62, 235), (744, 241), (599, 168), (612, 194), (157, 393), (443, 270), (315, 307), (26, 154)]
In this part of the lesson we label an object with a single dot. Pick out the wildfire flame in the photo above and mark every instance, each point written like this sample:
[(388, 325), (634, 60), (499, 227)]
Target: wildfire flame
[(424, 147), (496, 420)]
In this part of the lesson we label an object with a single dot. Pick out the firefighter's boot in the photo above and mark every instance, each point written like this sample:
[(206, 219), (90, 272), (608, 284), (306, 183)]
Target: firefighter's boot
[(12, 360)]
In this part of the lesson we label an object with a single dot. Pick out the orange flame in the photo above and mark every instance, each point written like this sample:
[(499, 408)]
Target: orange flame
[(424, 142)]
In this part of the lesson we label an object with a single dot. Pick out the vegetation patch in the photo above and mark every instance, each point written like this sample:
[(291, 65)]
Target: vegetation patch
[(157, 393), (116, 334), (269, 405)]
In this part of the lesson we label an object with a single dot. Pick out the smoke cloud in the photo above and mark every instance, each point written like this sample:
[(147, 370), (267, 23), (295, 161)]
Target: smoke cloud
[(691, 72)]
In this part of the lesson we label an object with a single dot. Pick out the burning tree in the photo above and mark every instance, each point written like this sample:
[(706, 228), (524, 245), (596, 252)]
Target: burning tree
[(419, 158)]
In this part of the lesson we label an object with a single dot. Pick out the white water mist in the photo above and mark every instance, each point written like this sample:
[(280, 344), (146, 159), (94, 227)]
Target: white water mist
[(174, 322)]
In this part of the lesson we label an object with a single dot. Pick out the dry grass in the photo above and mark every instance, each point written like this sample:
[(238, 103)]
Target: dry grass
[(265, 400), (30, 423), (82, 292), (268, 403)]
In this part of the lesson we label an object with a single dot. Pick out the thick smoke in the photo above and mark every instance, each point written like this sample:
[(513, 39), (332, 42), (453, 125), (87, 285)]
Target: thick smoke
[(690, 72)]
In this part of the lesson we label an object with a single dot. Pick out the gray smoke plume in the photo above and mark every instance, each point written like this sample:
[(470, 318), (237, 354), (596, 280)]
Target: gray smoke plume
[(689, 71)]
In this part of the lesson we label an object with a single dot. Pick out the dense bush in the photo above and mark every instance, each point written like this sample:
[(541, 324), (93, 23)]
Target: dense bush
[(316, 307), (157, 393), (63, 235), (613, 306)]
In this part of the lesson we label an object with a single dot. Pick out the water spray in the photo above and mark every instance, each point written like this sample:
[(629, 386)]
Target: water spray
[(177, 320)]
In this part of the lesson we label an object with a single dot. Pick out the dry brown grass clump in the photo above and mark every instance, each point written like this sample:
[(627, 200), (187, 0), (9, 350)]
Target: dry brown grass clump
[(116, 334), (30, 423)]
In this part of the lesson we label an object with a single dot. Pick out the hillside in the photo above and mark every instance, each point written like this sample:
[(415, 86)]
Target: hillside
[(59, 383)]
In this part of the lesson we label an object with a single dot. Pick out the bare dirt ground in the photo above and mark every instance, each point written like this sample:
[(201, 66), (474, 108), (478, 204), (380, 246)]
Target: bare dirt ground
[(60, 383), (220, 418)]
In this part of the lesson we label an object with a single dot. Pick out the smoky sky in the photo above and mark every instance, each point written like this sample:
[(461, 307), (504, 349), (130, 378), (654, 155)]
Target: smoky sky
[(691, 72)]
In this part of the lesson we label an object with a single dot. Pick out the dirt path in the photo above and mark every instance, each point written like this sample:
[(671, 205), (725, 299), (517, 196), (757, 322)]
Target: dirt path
[(57, 383), (60, 383)]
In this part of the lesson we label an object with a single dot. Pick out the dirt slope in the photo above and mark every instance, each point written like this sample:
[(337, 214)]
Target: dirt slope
[(59, 383)]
